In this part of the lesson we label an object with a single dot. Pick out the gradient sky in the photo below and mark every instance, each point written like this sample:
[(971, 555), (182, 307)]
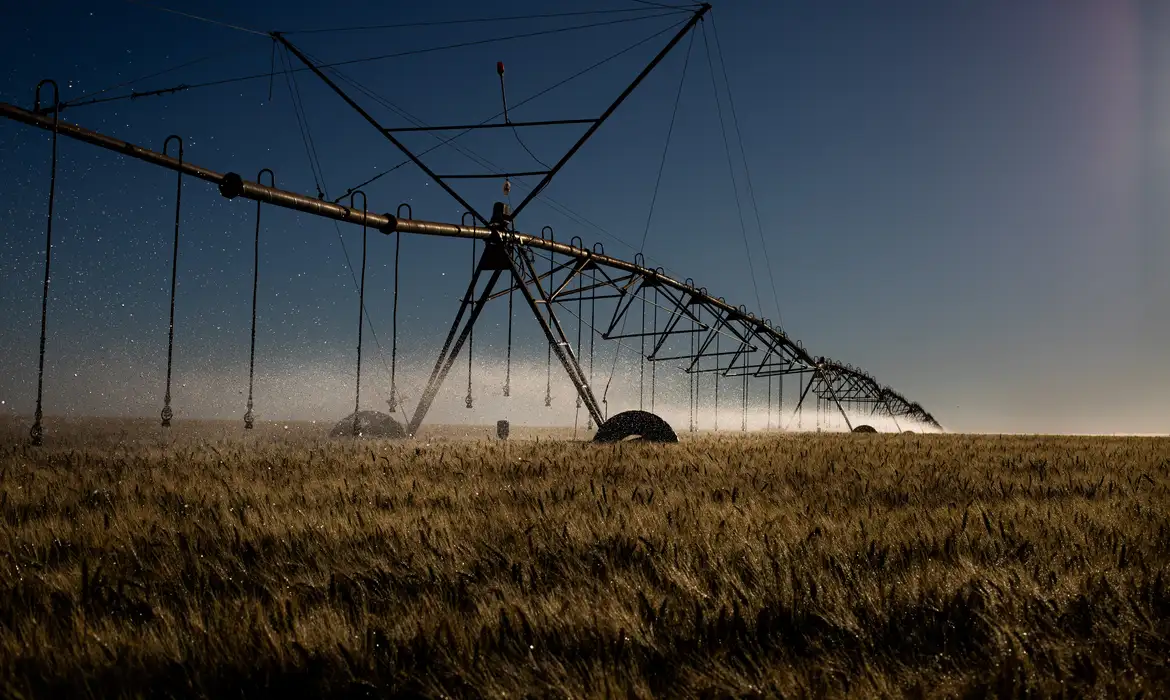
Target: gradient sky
[(967, 199)]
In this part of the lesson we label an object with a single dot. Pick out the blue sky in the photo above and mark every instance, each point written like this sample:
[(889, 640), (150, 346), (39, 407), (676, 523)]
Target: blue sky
[(967, 199)]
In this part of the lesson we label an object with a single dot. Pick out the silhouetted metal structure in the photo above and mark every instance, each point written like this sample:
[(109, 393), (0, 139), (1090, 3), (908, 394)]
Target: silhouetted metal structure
[(687, 325)]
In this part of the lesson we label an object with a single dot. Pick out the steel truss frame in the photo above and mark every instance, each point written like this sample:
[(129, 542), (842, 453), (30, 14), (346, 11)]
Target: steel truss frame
[(720, 338), (546, 175), (758, 348)]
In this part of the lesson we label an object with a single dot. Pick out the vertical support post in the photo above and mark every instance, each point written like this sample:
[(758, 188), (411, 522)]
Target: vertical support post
[(37, 432), (249, 418), (167, 413)]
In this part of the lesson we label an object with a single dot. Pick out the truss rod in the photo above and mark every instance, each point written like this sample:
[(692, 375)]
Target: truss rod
[(469, 127)]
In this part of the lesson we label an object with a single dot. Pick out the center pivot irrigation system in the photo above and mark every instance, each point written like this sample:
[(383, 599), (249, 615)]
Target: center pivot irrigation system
[(678, 322)]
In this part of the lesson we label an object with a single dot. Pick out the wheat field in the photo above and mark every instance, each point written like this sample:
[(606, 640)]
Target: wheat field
[(205, 562)]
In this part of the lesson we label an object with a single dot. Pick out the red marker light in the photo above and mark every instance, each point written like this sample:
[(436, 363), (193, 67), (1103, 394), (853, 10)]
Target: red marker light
[(500, 67)]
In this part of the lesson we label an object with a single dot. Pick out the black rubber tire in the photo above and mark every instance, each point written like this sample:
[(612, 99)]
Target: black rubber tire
[(371, 424), (865, 429), (641, 425)]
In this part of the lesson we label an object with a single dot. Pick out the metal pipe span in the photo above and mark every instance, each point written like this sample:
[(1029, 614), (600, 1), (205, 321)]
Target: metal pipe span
[(232, 185)]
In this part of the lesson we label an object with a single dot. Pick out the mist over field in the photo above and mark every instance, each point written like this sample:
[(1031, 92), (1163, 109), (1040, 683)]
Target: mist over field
[(324, 391)]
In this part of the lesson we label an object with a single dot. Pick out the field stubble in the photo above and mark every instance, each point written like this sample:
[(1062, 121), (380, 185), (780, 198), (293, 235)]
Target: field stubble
[(284, 563)]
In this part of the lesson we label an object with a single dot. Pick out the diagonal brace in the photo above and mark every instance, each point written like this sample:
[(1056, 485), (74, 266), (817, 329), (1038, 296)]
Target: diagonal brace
[(448, 354), (383, 130)]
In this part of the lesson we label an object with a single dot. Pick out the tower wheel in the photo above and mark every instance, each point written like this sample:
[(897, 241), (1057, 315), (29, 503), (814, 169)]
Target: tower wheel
[(642, 426)]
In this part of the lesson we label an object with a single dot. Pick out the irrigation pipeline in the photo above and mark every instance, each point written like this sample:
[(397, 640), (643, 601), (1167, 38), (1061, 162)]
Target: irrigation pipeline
[(232, 185)]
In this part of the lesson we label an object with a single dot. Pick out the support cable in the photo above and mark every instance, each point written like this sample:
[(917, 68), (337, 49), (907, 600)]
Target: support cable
[(544, 182), (660, 5), (322, 193), (197, 17), (666, 148), (747, 171), (646, 230), (80, 98), (480, 20), (731, 168), (271, 69), (400, 54), (302, 123)]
